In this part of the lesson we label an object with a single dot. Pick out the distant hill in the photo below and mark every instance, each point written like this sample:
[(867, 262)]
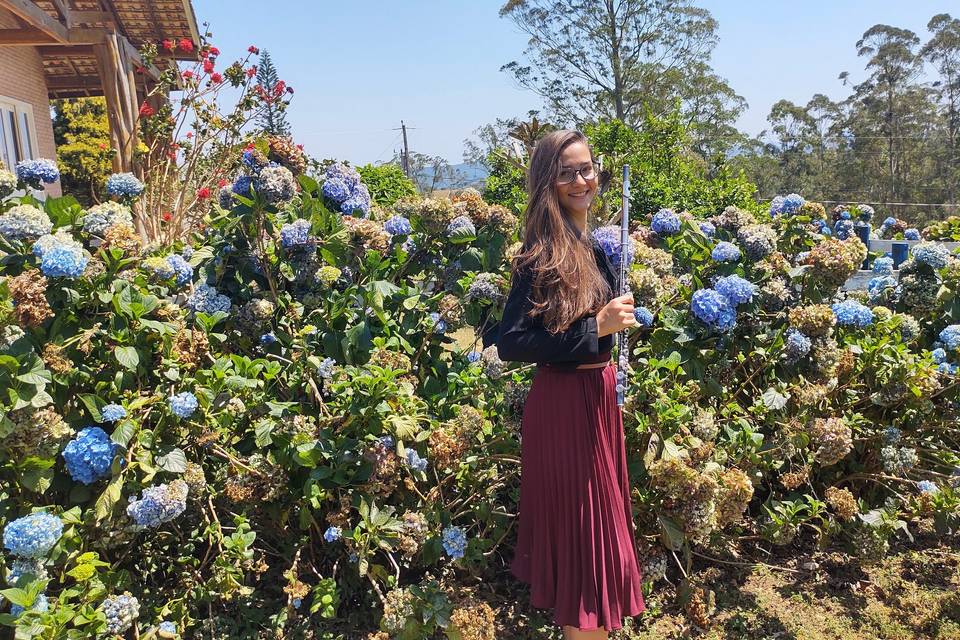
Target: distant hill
[(467, 174)]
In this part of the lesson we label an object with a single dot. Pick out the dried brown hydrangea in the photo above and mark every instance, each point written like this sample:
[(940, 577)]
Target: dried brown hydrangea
[(832, 437), (833, 261), (474, 621), (794, 479), (189, 349), (55, 359), (842, 502), (36, 432), (28, 291), (367, 233), (736, 491), (123, 237), (813, 320)]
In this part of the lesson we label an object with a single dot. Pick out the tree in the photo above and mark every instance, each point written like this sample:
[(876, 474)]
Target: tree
[(273, 117), (505, 135), (943, 51), (432, 172), (82, 135), (598, 60)]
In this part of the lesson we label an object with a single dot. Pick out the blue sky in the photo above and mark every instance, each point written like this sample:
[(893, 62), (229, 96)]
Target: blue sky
[(359, 67)]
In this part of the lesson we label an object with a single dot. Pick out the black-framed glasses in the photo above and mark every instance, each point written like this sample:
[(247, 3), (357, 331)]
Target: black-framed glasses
[(568, 175)]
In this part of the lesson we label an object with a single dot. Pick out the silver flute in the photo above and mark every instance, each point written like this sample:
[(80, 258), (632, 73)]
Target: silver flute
[(623, 286)]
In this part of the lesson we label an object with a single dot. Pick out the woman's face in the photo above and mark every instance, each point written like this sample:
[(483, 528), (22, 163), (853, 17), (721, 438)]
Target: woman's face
[(575, 197)]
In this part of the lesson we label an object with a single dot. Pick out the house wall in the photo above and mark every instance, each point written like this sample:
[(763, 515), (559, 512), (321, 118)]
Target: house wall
[(21, 78)]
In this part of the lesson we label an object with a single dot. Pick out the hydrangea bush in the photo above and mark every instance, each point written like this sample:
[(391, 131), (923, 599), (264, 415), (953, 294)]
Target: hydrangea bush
[(273, 426)]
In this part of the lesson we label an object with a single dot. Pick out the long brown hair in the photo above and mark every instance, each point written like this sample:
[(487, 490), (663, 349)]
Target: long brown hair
[(567, 284)]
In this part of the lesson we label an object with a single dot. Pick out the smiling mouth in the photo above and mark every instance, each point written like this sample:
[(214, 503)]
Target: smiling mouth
[(578, 195)]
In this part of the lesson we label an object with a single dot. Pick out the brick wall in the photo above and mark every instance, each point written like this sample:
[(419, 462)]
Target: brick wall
[(21, 78)]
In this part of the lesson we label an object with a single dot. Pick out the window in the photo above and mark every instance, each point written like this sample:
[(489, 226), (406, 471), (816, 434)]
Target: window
[(18, 138)]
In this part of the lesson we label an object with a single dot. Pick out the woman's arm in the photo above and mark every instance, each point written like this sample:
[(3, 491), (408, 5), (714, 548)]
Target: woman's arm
[(523, 340)]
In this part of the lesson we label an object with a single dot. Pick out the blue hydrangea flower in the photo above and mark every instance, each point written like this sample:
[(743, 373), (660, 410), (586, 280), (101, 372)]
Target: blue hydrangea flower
[(889, 222), (843, 228), (359, 200), (707, 228), (33, 172), (775, 205), (241, 186), (665, 222), (120, 612), (474, 356), (63, 261), (20, 567), (253, 160), (931, 253), (24, 222), (643, 316), (183, 404), (336, 189), (397, 226), (112, 413), (439, 325), (713, 309), (40, 605), (845, 215), (608, 238), (735, 289), (32, 536), (325, 370), (947, 367), (332, 534), (159, 504), (876, 286), (295, 234), (791, 204), (851, 313), (181, 268), (883, 266), (926, 486), (167, 629), (267, 339), (124, 185), (939, 355), (386, 441), (797, 344), (415, 462), (911, 234), (950, 337), (461, 223), (454, 541), (725, 252), (892, 435), (89, 455), (206, 299)]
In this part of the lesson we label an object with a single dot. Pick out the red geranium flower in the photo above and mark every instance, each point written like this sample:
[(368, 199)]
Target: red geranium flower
[(208, 65), (139, 68), (223, 183), (252, 49), (217, 78), (168, 45), (166, 216), (186, 45), (189, 134), (203, 193), (188, 74), (146, 110), (252, 71), (214, 51)]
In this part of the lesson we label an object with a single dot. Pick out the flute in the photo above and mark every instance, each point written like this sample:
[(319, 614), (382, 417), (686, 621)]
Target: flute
[(623, 286)]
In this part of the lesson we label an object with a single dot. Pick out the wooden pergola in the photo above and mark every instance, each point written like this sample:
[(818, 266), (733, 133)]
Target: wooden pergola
[(90, 48)]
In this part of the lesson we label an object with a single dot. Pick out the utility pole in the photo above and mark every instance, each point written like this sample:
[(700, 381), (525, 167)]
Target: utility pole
[(405, 158)]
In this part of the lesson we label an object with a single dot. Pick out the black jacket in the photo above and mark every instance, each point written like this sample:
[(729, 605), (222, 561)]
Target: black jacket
[(521, 338)]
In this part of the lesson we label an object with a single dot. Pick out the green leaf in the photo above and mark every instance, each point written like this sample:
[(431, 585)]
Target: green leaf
[(123, 432), (108, 499), (774, 399), (174, 461), (670, 533), (127, 357)]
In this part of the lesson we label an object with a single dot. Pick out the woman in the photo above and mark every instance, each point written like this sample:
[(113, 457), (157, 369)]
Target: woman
[(575, 545)]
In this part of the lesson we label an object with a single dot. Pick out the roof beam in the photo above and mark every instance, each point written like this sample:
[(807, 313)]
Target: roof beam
[(36, 17), (24, 38), (61, 51), (70, 83)]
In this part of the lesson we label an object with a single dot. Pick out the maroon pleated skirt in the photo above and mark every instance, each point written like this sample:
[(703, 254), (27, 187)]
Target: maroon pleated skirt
[(575, 543)]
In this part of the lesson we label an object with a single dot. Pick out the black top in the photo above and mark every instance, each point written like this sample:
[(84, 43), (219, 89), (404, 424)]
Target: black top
[(524, 339)]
